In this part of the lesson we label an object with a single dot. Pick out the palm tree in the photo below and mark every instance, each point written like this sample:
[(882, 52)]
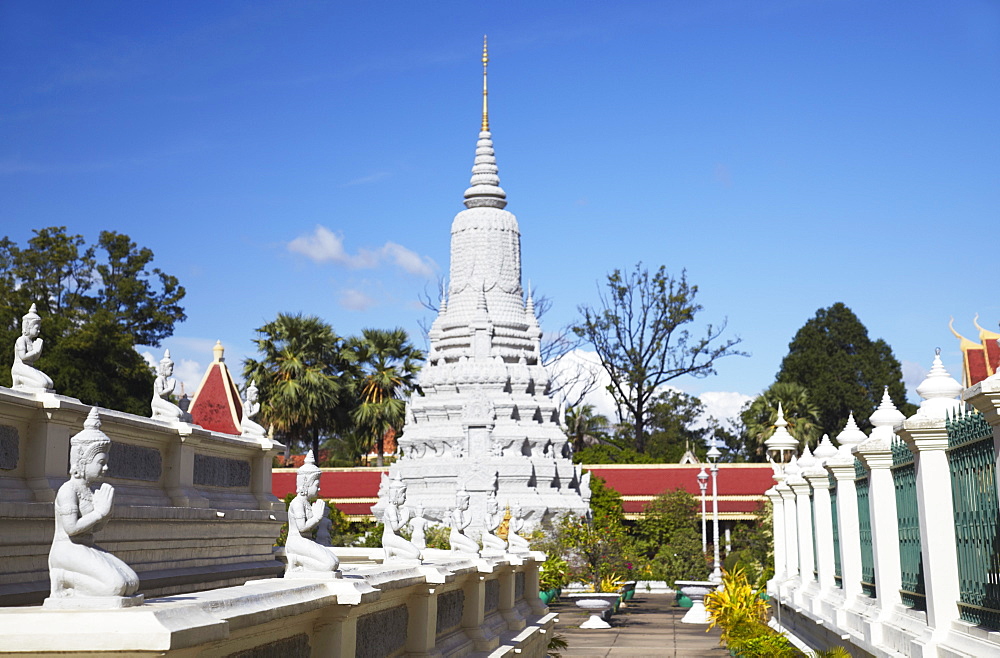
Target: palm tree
[(760, 415), (389, 364), (301, 377), (582, 422)]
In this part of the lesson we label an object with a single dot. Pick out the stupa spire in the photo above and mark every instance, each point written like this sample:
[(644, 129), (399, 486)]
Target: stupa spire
[(485, 190), (486, 112)]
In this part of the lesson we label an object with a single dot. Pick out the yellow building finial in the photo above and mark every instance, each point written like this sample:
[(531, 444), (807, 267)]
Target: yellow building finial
[(486, 114)]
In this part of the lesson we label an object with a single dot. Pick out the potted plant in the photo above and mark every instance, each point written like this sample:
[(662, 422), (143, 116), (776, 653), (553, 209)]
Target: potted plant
[(553, 578)]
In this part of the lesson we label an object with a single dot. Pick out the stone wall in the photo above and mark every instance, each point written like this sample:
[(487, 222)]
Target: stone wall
[(437, 608), (193, 509)]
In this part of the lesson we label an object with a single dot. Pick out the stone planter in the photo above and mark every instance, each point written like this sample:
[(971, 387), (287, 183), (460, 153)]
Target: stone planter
[(598, 604), (696, 590), (628, 591)]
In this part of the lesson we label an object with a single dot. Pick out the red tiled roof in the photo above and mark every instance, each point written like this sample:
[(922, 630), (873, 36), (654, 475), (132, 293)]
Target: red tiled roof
[(654, 479), (741, 486), (333, 482)]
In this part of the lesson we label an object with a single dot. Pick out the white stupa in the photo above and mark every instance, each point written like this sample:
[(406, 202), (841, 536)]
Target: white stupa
[(487, 422)]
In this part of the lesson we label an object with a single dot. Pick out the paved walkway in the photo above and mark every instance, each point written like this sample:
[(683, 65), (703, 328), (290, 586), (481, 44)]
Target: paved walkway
[(649, 626)]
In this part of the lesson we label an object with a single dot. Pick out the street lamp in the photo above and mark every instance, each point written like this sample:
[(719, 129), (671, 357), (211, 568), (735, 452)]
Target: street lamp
[(713, 456), (703, 484)]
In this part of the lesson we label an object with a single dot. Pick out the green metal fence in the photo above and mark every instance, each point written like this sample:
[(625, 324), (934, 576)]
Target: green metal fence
[(977, 531), (812, 512), (837, 576), (904, 476), (865, 528)]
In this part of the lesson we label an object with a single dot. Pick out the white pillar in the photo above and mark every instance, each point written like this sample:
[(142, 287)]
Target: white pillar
[(791, 531), (877, 455), (842, 467), (778, 523), (803, 508), (819, 480), (928, 438)]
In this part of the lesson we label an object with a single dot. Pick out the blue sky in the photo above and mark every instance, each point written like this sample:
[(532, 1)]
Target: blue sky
[(788, 154)]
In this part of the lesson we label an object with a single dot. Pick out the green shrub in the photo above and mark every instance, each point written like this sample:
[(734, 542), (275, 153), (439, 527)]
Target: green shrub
[(554, 573)]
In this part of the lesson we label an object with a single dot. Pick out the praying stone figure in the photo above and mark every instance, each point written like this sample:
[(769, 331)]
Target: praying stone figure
[(460, 520), (163, 387), (493, 544), (27, 349), (251, 407), (515, 542), (306, 557), (418, 524), (393, 519), (82, 574)]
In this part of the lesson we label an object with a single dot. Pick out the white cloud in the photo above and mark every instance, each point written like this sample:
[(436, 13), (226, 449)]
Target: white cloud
[(723, 405), (188, 373), (355, 300), (323, 245), (408, 260)]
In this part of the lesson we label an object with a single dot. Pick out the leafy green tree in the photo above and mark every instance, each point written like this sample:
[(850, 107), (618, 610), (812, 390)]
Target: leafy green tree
[(98, 364), (753, 547), (124, 289), (667, 514), (97, 304), (678, 422), (760, 414), (610, 453), (843, 369), (605, 502), (668, 535), (303, 374), (389, 364), (640, 334)]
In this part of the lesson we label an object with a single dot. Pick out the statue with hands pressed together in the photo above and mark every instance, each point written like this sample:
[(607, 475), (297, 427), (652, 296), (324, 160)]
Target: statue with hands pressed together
[(79, 569), (460, 520), (515, 542), (393, 519), (163, 387), (251, 407), (494, 517), (27, 348), (305, 513)]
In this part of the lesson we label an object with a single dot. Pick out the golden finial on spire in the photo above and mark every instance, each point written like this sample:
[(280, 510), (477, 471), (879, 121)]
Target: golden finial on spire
[(486, 60)]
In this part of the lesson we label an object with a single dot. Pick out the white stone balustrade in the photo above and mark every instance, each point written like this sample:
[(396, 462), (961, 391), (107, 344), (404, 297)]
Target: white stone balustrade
[(841, 613)]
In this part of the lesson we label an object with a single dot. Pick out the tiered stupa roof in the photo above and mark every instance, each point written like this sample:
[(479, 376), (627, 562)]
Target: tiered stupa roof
[(217, 405)]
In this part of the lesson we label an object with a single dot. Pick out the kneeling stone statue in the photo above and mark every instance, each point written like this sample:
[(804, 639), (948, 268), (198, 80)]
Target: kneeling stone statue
[(306, 558), (82, 574)]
